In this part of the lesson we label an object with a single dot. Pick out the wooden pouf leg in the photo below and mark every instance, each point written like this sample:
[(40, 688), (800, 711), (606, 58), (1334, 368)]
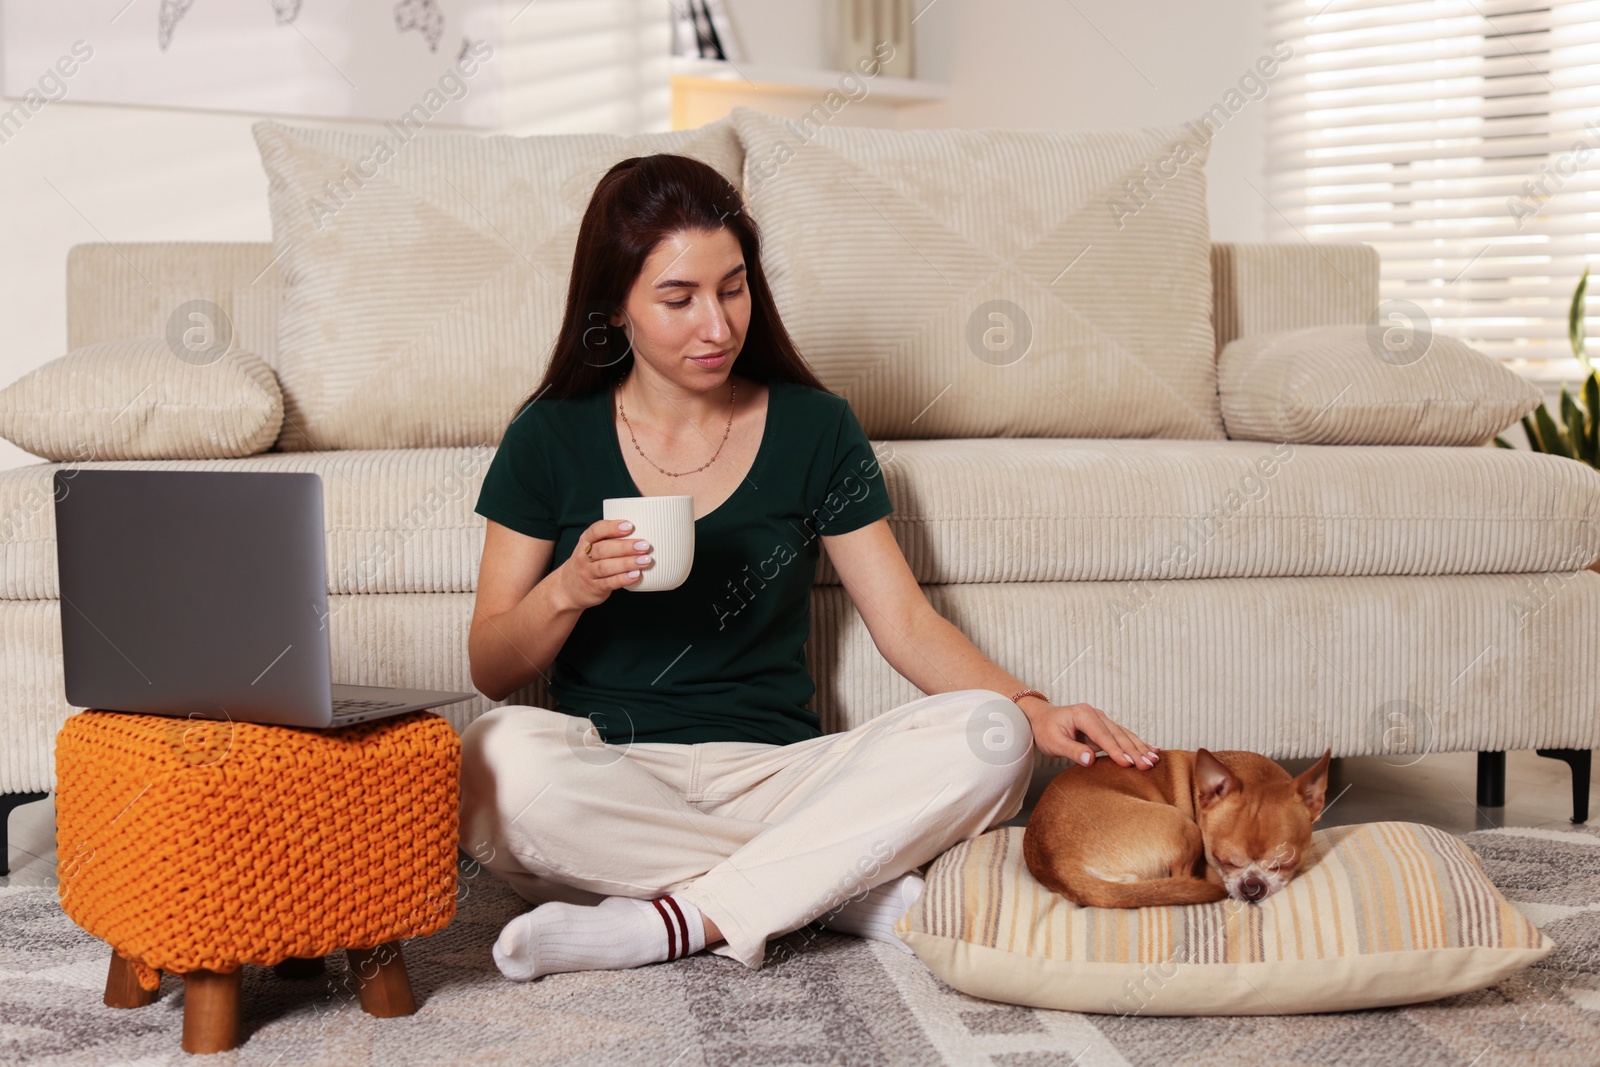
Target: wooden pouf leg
[(381, 980), (295, 968), (211, 1011), (122, 986)]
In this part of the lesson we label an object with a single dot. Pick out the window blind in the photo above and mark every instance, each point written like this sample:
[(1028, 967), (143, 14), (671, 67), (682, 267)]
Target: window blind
[(1461, 138)]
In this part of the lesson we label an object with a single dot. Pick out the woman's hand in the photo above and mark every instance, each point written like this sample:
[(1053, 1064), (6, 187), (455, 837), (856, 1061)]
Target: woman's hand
[(615, 559), (1076, 730)]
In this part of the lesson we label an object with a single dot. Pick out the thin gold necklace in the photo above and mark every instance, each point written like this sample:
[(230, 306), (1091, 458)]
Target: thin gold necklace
[(734, 389)]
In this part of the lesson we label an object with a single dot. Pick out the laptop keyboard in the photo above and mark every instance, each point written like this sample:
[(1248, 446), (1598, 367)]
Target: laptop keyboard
[(350, 708)]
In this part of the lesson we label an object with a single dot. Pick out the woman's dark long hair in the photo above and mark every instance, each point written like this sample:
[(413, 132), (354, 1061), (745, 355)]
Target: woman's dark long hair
[(637, 204)]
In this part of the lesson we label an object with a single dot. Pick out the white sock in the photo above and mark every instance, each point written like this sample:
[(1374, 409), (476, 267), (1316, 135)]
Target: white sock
[(618, 932), (875, 914)]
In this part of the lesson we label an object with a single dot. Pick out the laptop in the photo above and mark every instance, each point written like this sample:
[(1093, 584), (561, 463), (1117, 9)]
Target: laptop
[(204, 594)]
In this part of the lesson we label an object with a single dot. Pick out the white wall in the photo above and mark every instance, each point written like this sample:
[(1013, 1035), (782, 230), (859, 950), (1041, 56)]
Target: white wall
[(1107, 64), (1085, 65), (88, 172)]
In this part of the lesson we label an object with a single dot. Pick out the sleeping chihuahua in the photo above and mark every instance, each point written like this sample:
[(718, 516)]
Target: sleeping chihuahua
[(1195, 828)]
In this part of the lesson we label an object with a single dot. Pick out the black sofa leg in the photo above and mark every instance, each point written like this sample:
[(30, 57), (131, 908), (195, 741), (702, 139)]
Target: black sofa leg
[(16, 800), (1579, 759), (1491, 779)]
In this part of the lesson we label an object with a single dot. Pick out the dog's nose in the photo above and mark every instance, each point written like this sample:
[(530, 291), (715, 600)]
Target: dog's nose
[(1253, 889)]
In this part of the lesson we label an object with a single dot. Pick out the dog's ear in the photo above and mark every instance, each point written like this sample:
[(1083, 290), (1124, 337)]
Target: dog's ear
[(1312, 785), (1212, 781)]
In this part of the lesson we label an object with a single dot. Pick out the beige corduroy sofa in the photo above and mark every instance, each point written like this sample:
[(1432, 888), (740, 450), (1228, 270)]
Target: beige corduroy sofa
[(1256, 594)]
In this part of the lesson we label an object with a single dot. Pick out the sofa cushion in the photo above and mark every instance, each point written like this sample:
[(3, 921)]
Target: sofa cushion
[(1384, 913), (1377, 384), (976, 283), (1016, 510), (1036, 510), (139, 399), (398, 520), (424, 280)]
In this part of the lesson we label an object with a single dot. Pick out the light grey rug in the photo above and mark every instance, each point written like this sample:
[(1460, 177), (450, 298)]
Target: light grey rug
[(825, 999)]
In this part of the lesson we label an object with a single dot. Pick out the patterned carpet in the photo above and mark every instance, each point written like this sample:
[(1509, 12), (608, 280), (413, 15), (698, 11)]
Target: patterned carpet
[(823, 999)]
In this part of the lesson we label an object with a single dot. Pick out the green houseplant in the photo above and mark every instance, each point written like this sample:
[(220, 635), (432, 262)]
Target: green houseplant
[(1577, 434)]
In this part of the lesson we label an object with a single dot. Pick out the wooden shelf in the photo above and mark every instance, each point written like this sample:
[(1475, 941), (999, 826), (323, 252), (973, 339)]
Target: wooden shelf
[(801, 80), (704, 90)]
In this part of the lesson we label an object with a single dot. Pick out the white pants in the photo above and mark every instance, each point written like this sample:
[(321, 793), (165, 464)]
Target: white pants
[(763, 839)]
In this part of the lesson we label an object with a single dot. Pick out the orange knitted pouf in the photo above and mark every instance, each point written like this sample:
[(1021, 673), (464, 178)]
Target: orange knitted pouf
[(196, 846)]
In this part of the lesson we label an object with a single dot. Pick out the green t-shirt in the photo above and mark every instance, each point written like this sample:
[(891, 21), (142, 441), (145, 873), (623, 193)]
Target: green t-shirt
[(721, 657)]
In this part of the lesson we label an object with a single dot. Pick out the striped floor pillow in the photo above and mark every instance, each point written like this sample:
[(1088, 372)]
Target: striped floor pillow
[(1384, 913)]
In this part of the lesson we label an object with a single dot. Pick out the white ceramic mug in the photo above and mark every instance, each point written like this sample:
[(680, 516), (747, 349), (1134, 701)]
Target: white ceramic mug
[(667, 522)]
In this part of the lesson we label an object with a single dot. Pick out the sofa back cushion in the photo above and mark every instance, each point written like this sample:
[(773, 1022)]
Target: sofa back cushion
[(1263, 288), (425, 276), (145, 289), (993, 283)]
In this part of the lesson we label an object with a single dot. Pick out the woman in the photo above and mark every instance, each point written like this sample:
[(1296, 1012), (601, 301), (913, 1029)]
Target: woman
[(680, 794)]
